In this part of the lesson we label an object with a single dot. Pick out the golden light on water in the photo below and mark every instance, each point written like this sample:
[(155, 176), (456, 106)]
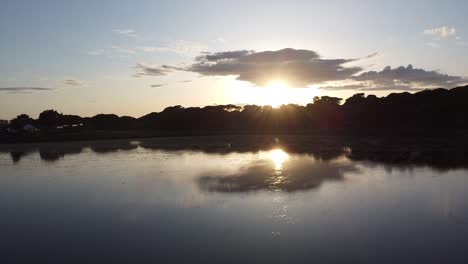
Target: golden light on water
[(277, 178)]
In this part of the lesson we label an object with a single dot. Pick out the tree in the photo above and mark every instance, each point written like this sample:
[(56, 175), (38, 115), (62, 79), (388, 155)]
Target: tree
[(50, 119), (20, 121)]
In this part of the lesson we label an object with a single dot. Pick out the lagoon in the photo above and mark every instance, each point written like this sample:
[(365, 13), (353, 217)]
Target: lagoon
[(218, 201)]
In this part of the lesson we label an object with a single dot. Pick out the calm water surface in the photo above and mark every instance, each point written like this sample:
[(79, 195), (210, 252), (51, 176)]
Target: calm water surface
[(131, 204)]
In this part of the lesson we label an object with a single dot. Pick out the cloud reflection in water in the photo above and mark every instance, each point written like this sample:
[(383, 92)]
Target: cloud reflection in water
[(278, 171)]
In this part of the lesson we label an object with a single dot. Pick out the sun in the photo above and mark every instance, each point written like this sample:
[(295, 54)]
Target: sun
[(277, 92)]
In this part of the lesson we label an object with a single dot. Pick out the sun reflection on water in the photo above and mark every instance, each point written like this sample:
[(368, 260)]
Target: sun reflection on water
[(279, 178), (278, 156)]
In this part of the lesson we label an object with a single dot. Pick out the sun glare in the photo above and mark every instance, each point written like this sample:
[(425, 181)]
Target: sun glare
[(277, 93)]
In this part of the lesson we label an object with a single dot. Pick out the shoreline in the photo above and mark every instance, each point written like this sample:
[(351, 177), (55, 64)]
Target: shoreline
[(93, 135)]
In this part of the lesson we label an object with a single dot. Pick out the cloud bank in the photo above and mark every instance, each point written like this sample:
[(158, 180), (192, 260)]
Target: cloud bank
[(302, 68), (299, 68)]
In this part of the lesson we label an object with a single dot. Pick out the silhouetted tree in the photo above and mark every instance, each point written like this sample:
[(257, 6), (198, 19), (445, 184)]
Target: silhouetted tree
[(423, 113), (70, 120), (20, 121), (49, 119)]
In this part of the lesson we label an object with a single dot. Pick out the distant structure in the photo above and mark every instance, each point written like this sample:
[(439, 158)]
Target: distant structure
[(29, 128)]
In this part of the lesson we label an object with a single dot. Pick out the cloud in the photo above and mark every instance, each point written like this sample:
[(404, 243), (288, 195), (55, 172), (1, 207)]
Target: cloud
[(97, 52), (158, 85), (219, 40), (302, 68), (151, 49), (113, 52), (410, 76), (297, 175), (123, 50), (74, 82), (125, 32), (441, 32), (23, 89), (220, 56), (401, 79), (149, 70), (180, 47), (372, 55), (299, 68), (343, 87)]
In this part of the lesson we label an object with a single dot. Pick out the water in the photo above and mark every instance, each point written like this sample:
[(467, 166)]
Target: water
[(125, 202)]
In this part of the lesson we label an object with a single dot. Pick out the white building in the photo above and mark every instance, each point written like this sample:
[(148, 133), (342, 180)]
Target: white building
[(29, 128)]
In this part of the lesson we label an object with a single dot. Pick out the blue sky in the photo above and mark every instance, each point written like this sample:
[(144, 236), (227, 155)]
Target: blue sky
[(85, 53)]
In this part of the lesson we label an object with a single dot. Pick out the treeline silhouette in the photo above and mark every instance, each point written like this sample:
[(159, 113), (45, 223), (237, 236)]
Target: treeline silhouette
[(437, 153), (438, 111)]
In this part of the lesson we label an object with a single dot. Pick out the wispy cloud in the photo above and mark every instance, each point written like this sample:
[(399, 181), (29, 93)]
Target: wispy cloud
[(113, 52), (180, 47), (97, 52), (433, 45), (441, 32), (125, 32), (144, 69), (23, 89), (123, 50), (219, 40), (158, 85), (74, 82)]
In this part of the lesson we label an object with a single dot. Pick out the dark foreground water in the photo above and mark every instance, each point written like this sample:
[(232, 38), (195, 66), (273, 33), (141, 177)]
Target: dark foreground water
[(124, 202)]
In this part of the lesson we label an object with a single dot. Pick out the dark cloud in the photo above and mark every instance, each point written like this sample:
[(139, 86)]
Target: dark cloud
[(227, 55), (301, 68), (400, 79), (365, 87), (409, 75), (148, 70), (23, 89), (344, 87), (158, 85)]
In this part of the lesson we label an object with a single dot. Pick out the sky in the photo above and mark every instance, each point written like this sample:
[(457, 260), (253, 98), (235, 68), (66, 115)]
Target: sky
[(136, 57)]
